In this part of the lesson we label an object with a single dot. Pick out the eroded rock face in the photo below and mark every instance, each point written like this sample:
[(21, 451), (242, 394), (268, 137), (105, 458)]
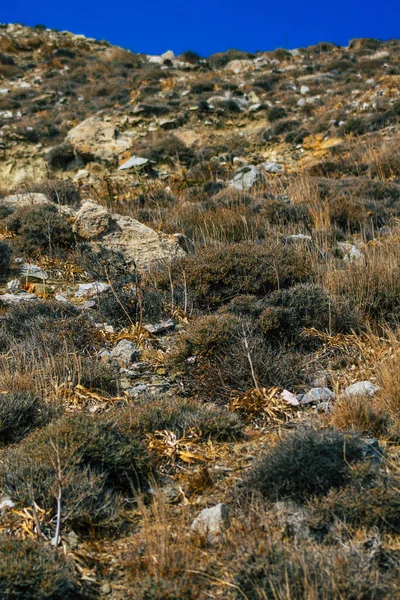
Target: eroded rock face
[(137, 243), (98, 140)]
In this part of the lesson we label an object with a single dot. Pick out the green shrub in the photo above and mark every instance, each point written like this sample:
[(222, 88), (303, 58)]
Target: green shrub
[(30, 569), (5, 259), (305, 464), (60, 157), (372, 506), (288, 312), (275, 113), (42, 229), (101, 466), (179, 415), (60, 191), (21, 413), (217, 274)]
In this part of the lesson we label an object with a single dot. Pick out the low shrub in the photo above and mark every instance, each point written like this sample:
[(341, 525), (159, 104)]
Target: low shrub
[(217, 274), (101, 466), (275, 113), (305, 464), (5, 258), (21, 413), (60, 191), (180, 415), (30, 569), (42, 229), (288, 312), (61, 157)]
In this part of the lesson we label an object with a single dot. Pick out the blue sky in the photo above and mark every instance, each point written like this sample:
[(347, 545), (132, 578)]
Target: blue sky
[(208, 26)]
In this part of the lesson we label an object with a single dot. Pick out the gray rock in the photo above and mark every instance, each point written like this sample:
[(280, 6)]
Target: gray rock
[(354, 256), (361, 388), (372, 450), (272, 167), (10, 299), (92, 220), (211, 521), (246, 177), (34, 272), (135, 391), (125, 352), (5, 503), (14, 286), (88, 290), (319, 394), (160, 328), (21, 200), (304, 90)]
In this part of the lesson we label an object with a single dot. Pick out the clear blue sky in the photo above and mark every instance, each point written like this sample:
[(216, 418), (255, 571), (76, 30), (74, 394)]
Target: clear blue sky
[(207, 26)]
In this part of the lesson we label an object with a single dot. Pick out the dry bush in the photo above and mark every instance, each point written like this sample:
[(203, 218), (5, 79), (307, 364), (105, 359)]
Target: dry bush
[(20, 413), (360, 415), (373, 286), (316, 572)]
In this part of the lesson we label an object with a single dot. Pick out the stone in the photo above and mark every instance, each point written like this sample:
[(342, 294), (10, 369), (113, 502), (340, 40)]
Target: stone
[(88, 290), (168, 55), (246, 177), (290, 398), (372, 450), (29, 272), (92, 220), (304, 90), (354, 256), (211, 521), (319, 394), (272, 167), (134, 162), (6, 503), (361, 388), (14, 286), (240, 66), (160, 328), (125, 352), (22, 200), (98, 140), (10, 299), (139, 245)]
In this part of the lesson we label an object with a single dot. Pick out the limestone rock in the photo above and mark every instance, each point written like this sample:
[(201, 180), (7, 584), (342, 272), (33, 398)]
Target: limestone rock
[(240, 66), (92, 220), (361, 388), (125, 352), (32, 272), (139, 244), (246, 177), (11, 299), (319, 394), (88, 290), (211, 521), (134, 162), (98, 140)]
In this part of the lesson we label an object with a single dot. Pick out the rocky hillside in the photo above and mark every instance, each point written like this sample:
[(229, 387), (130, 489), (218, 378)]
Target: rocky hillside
[(199, 312)]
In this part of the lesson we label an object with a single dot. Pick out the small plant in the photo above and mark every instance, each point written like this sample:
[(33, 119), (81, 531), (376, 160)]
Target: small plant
[(305, 464), (21, 413), (30, 569), (100, 466), (5, 258)]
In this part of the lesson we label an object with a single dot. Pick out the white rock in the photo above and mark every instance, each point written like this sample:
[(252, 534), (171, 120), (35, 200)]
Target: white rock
[(14, 286), (210, 521), (361, 388), (272, 167), (88, 290), (290, 398), (125, 352), (354, 256), (246, 177), (133, 162), (304, 90), (168, 55), (21, 200)]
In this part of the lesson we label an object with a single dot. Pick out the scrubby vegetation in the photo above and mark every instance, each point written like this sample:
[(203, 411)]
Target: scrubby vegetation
[(199, 305)]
